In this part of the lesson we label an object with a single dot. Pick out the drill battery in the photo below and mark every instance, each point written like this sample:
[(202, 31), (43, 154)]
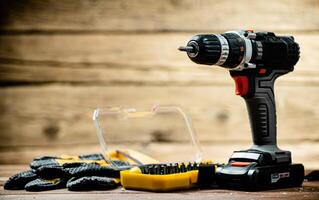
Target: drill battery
[(257, 171)]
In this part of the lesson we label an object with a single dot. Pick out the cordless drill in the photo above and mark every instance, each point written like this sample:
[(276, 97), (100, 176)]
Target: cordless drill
[(255, 60)]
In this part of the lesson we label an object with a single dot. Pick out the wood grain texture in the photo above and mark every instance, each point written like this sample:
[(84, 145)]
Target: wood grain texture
[(147, 59), (308, 192), (302, 152), (61, 114), (165, 15), (44, 73), (146, 51), (61, 59)]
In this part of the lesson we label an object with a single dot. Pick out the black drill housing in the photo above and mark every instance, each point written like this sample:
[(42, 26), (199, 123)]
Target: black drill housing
[(279, 52), (255, 61)]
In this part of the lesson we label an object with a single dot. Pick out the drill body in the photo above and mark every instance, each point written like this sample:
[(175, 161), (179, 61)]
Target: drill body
[(255, 61)]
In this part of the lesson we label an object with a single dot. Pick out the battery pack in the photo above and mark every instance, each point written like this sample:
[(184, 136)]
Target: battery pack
[(251, 177)]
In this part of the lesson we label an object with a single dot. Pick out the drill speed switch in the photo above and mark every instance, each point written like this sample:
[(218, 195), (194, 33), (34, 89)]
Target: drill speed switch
[(255, 61)]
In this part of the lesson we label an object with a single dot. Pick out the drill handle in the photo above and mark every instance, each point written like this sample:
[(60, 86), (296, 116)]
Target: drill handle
[(260, 101), (261, 109)]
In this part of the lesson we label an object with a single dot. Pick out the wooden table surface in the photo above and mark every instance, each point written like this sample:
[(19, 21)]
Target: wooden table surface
[(309, 190)]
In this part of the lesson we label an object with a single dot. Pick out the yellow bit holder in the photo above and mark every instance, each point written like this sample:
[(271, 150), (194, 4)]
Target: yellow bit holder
[(134, 179)]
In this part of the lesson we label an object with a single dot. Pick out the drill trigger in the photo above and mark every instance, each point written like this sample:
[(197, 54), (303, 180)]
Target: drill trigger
[(241, 85)]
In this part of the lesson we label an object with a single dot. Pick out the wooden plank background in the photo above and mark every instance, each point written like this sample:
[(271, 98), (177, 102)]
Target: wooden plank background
[(61, 59)]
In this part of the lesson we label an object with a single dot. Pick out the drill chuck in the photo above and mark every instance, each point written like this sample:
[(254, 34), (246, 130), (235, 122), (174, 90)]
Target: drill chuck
[(238, 50), (204, 49)]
